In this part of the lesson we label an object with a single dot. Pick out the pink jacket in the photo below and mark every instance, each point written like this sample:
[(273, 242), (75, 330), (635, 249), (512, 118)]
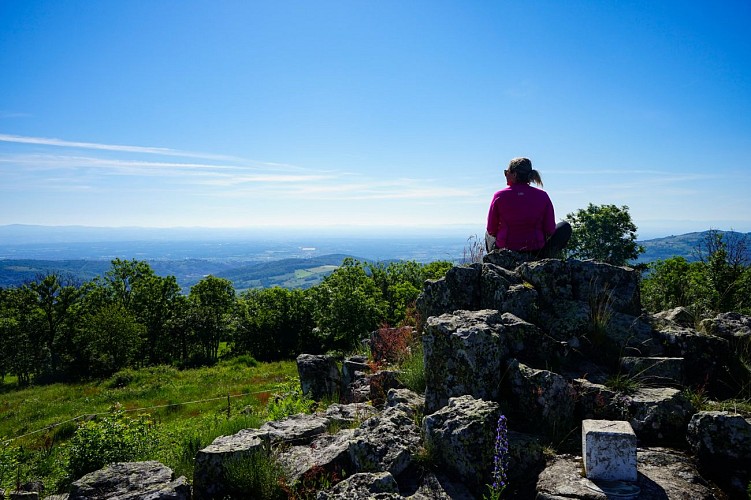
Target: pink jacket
[(521, 217)]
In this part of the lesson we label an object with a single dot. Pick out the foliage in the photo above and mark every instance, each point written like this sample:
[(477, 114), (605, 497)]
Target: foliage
[(9, 464), (274, 323), (623, 383), (212, 303), (604, 233), (347, 306), (257, 472), (288, 400), (718, 281), (113, 438), (110, 340), (391, 345)]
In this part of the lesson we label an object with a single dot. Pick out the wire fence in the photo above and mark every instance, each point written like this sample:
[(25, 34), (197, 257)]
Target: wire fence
[(228, 397)]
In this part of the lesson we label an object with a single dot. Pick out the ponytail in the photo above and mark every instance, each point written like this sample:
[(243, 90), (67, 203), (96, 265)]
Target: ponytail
[(529, 176), (534, 176)]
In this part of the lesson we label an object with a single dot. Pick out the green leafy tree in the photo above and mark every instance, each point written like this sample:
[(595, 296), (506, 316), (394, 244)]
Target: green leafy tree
[(273, 324), (212, 303), (670, 283), (21, 323), (604, 233), (109, 340), (347, 305), (153, 301), (725, 258), (56, 309)]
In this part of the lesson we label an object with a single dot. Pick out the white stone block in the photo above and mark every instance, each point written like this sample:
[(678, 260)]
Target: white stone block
[(609, 450)]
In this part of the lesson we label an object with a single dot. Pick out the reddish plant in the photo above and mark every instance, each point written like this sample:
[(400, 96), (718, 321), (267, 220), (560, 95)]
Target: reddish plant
[(391, 345)]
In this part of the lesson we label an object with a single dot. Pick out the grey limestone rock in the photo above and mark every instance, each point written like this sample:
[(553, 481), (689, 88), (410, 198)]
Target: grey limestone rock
[(660, 415), (459, 289), (319, 376), (462, 436), (131, 481), (540, 398), (679, 316), (722, 442), (363, 486), (386, 442), (654, 370)]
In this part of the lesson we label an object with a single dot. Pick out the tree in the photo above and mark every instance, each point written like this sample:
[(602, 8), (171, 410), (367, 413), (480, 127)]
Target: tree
[(273, 324), (55, 299), (151, 299), (719, 281), (347, 306), (603, 233), (212, 302), (725, 261), (110, 340)]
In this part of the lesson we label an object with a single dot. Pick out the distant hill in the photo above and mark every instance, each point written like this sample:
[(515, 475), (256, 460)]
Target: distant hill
[(280, 265), (682, 245), (287, 273)]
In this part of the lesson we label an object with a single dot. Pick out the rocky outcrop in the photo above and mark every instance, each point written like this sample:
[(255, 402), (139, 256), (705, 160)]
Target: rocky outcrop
[(131, 481)]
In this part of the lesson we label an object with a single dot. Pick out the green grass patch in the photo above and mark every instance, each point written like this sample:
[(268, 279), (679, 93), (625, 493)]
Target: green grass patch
[(186, 410)]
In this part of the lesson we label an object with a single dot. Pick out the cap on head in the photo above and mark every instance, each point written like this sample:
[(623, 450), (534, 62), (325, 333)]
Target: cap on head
[(521, 165)]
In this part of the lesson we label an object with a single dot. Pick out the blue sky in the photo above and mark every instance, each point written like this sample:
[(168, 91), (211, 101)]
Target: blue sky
[(371, 114)]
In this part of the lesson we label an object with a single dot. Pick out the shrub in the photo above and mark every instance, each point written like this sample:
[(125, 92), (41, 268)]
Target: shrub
[(9, 464), (390, 345), (288, 401), (114, 438)]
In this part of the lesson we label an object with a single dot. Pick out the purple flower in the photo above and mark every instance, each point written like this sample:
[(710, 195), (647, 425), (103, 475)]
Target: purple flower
[(500, 459)]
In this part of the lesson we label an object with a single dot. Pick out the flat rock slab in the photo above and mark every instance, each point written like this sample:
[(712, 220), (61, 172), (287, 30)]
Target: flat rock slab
[(662, 474)]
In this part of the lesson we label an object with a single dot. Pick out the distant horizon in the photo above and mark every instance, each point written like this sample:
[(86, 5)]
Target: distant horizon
[(72, 233)]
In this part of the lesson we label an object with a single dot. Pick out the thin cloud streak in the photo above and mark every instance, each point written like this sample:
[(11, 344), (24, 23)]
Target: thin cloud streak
[(44, 141)]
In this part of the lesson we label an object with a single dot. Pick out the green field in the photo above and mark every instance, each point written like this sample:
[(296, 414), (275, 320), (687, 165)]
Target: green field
[(186, 410)]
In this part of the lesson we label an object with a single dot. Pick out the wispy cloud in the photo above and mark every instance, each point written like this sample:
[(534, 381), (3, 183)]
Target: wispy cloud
[(44, 141)]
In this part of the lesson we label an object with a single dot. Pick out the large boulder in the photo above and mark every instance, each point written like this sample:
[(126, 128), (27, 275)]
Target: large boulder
[(320, 377), (722, 442), (386, 442), (362, 486), (660, 415), (540, 399), (210, 462), (131, 481), (459, 289), (714, 366), (466, 353), (462, 435), (598, 402), (728, 325)]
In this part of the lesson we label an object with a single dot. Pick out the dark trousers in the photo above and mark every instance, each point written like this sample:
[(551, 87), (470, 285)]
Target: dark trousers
[(557, 241)]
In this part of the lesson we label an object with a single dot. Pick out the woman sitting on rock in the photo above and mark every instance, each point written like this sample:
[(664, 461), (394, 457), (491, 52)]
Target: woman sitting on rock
[(521, 217)]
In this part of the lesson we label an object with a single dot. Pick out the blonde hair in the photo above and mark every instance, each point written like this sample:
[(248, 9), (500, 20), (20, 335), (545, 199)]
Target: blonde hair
[(522, 167)]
